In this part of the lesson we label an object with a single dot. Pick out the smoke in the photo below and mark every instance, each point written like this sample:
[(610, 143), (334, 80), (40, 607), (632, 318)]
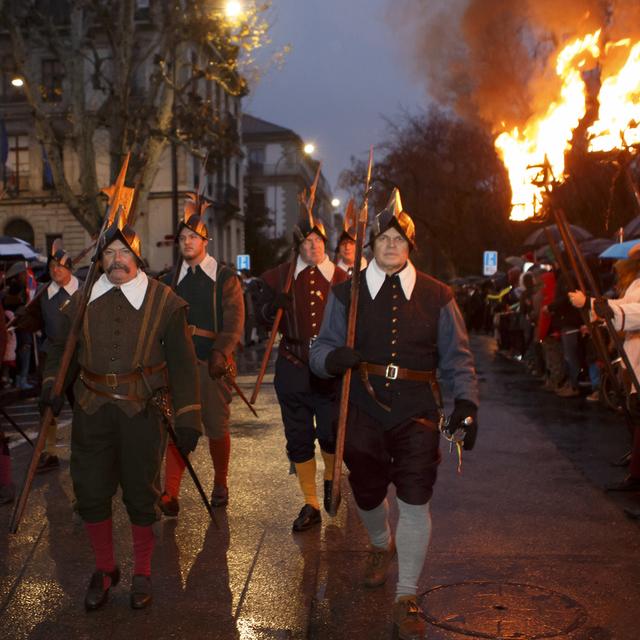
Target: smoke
[(493, 60)]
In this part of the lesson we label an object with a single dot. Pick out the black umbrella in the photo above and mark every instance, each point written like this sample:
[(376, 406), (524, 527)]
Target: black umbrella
[(595, 246), (539, 238)]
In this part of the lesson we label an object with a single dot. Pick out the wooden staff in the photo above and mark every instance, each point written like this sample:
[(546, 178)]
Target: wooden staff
[(574, 252), (350, 341), (598, 340), (120, 199), (286, 289)]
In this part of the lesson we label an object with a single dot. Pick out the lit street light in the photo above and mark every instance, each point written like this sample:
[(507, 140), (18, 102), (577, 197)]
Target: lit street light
[(233, 9), (308, 149), (17, 81), (335, 203)]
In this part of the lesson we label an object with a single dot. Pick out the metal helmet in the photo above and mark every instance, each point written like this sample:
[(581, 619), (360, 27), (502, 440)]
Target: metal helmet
[(61, 257), (307, 224), (193, 218), (348, 225), (126, 234), (393, 215)]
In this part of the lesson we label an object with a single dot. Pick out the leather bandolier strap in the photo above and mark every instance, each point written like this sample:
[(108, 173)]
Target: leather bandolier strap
[(114, 380), (393, 372)]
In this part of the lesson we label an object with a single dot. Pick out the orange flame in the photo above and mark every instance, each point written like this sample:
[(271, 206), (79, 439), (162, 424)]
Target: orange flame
[(619, 113), (545, 138)]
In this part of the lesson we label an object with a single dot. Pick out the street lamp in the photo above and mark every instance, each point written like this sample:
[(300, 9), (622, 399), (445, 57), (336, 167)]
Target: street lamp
[(233, 9), (308, 149), (17, 81), (335, 203)]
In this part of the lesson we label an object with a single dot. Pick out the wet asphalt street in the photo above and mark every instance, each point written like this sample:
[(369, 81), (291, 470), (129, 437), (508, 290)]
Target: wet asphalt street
[(525, 542)]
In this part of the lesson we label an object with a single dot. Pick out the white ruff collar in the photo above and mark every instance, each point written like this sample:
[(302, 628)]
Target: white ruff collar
[(326, 268), (208, 264), (134, 290), (375, 277)]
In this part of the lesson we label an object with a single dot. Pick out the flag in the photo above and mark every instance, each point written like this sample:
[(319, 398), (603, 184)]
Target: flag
[(32, 284), (47, 175)]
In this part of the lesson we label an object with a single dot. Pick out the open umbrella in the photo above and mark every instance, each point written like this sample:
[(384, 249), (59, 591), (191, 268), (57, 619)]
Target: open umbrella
[(619, 250), (595, 246), (16, 248), (539, 238)]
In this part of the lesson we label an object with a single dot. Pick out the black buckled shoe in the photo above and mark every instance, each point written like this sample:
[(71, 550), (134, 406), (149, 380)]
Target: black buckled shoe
[(169, 506), (308, 517), (47, 462), (141, 594), (97, 594), (628, 484), (328, 486)]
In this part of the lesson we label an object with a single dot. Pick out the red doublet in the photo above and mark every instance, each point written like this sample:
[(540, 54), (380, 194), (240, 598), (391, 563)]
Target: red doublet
[(310, 293)]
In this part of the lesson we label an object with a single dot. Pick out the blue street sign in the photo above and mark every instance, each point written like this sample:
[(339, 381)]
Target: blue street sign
[(243, 261), (489, 263)]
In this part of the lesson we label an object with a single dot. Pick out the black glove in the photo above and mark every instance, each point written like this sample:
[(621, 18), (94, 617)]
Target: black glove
[(48, 400), (341, 359), (462, 410), (217, 364), (187, 440), (282, 301), (602, 309)]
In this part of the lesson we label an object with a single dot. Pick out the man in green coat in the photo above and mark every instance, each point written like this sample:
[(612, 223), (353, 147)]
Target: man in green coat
[(134, 337)]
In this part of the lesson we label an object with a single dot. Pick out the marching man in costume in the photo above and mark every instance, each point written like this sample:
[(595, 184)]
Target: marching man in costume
[(216, 323), (346, 249), (134, 338), (408, 327), (46, 313), (306, 401)]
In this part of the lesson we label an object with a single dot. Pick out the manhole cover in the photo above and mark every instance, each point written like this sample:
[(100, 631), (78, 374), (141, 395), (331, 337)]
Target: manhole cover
[(502, 610)]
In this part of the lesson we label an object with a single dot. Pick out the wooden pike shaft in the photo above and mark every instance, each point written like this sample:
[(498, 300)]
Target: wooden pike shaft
[(57, 389), (574, 253), (350, 341), (287, 287), (598, 341)]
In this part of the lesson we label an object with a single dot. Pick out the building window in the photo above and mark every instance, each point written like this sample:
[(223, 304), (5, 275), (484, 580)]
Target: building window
[(15, 172), (47, 174), (52, 77), (19, 228), (50, 238), (257, 157)]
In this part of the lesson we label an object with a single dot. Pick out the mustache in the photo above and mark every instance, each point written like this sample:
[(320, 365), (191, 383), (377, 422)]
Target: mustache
[(118, 265)]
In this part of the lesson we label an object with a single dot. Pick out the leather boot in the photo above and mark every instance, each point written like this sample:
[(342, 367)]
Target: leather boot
[(407, 618), (141, 594), (219, 496), (308, 517), (97, 594), (630, 483), (378, 561)]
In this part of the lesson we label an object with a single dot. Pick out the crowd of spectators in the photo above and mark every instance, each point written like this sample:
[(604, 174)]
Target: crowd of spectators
[(529, 311)]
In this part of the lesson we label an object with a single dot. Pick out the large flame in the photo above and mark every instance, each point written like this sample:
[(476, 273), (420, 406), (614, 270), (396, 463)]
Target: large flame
[(545, 138), (619, 98)]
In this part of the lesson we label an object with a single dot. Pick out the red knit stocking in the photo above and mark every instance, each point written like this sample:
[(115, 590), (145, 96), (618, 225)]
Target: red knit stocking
[(220, 450), (143, 542), (173, 471), (101, 537)]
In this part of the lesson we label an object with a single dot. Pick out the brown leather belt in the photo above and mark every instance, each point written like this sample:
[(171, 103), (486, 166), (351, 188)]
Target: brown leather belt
[(203, 333), (114, 380), (393, 372)]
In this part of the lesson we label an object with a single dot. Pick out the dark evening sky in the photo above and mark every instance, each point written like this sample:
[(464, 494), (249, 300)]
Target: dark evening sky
[(344, 72)]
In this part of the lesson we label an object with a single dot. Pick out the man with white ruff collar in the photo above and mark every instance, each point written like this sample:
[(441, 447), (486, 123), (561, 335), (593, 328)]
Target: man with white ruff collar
[(408, 327)]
